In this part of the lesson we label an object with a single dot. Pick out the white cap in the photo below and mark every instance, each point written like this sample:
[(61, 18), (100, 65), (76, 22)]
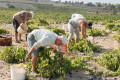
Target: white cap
[(32, 13), (64, 40)]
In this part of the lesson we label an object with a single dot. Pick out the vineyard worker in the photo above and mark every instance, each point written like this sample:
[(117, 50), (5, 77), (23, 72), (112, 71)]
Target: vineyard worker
[(40, 38), (76, 21), (18, 18)]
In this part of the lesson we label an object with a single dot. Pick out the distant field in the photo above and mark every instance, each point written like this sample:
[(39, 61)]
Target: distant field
[(52, 14)]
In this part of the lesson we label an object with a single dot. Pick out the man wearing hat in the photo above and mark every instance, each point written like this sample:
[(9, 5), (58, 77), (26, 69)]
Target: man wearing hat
[(18, 18), (74, 23), (40, 38)]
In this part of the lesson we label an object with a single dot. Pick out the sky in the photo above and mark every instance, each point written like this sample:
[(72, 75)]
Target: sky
[(94, 1)]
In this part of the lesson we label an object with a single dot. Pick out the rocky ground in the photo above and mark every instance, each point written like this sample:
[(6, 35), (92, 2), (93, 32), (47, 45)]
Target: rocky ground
[(106, 43)]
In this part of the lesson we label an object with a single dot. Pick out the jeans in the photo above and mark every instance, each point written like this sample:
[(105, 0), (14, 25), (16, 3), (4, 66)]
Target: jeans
[(31, 43)]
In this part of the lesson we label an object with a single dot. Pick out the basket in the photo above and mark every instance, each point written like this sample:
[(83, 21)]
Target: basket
[(5, 41)]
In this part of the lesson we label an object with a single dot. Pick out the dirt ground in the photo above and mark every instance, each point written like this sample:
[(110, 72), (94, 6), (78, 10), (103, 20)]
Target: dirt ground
[(106, 43)]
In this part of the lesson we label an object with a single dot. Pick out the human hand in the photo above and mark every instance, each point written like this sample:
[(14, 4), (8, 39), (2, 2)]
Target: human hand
[(27, 57)]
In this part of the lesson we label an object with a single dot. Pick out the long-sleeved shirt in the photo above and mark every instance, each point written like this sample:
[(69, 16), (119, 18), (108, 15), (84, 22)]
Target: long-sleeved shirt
[(19, 18), (45, 38)]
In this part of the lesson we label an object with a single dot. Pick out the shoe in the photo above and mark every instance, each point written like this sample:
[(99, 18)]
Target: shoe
[(17, 41), (21, 40), (34, 74)]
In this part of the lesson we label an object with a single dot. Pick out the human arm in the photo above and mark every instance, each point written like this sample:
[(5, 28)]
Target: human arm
[(39, 43), (30, 53), (59, 48), (83, 29), (86, 34), (33, 48)]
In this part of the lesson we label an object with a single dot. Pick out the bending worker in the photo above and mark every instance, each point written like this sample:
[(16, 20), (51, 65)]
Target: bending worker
[(40, 38), (18, 18), (75, 22)]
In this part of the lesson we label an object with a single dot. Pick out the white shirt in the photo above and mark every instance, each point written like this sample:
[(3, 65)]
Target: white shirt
[(75, 19), (77, 15), (45, 38)]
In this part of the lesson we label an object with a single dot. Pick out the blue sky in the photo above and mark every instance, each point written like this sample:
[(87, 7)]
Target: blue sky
[(94, 1)]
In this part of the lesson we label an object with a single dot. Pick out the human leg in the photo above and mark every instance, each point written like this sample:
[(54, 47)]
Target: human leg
[(76, 35), (16, 37), (35, 54), (34, 60), (20, 37), (16, 25), (76, 40), (71, 31)]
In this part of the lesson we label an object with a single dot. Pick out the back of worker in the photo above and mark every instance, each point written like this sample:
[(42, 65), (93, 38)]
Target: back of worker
[(74, 20), (77, 15), (44, 37)]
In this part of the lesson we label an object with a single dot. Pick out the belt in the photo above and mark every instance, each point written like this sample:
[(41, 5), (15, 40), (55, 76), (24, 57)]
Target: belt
[(71, 24)]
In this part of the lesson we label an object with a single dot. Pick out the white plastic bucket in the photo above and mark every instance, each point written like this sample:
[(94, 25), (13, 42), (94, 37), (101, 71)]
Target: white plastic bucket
[(18, 73), (20, 30)]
